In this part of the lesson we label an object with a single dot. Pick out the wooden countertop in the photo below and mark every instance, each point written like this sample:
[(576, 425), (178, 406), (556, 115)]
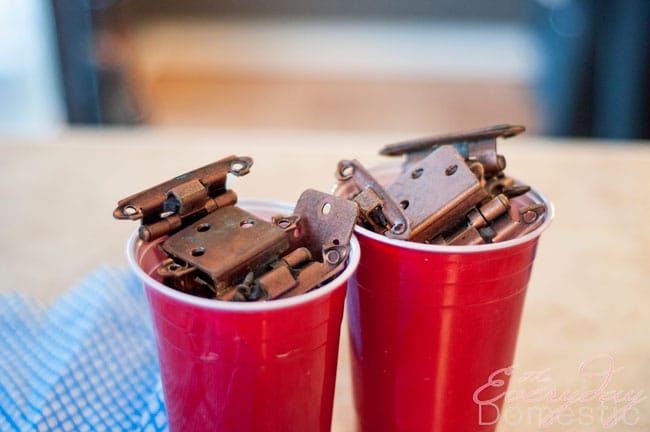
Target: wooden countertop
[(587, 301)]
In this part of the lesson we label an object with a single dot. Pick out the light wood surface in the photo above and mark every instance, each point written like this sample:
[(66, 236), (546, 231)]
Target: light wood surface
[(587, 301)]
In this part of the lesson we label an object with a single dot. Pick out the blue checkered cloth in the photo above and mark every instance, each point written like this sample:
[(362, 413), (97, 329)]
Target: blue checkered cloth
[(87, 363)]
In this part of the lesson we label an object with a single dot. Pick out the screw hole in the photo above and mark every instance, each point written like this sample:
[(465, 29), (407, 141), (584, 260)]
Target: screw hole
[(237, 166), (332, 257), (347, 171), (203, 227), (451, 169), (326, 209), (404, 204), (197, 252), (417, 173), (284, 223), (173, 267), (336, 242), (399, 228), (247, 223)]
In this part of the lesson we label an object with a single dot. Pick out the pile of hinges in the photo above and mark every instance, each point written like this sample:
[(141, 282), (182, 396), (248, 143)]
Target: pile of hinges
[(216, 249), (452, 191)]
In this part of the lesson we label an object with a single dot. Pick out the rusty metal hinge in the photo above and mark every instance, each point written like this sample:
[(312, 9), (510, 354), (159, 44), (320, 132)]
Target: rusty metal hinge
[(452, 190), (475, 146), (216, 249), (167, 207)]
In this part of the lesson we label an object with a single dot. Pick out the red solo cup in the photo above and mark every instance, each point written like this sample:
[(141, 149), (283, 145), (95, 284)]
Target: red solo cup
[(237, 366), (433, 328)]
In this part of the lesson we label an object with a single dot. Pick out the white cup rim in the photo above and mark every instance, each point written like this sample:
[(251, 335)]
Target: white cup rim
[(250, 204)]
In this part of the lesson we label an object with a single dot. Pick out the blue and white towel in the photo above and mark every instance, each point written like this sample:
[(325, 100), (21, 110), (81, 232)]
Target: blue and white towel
[(87, 363)]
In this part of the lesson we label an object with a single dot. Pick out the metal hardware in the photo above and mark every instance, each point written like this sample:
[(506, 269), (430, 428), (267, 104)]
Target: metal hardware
[(224, 246), (434, 192), (313, 248), (477, 228), (452, 190), (528, 218), (377, 207), (163, 209), (423, 200), (325, 226), (476, 145), (218, 250)]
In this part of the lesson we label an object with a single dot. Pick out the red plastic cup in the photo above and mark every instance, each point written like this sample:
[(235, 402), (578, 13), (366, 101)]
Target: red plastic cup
[(433, 327), (230, 366)]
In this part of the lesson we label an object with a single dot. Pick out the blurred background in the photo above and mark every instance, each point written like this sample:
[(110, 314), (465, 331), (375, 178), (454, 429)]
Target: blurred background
[(560, 67)]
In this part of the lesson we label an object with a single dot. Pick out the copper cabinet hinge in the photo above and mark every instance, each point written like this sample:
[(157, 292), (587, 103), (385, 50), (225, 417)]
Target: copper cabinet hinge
[(216, 249), (452, 190)]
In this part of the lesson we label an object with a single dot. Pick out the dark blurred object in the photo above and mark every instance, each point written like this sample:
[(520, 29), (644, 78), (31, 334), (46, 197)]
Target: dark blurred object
[(439, 9), (91, 52), (596, 76), (79, 75)]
